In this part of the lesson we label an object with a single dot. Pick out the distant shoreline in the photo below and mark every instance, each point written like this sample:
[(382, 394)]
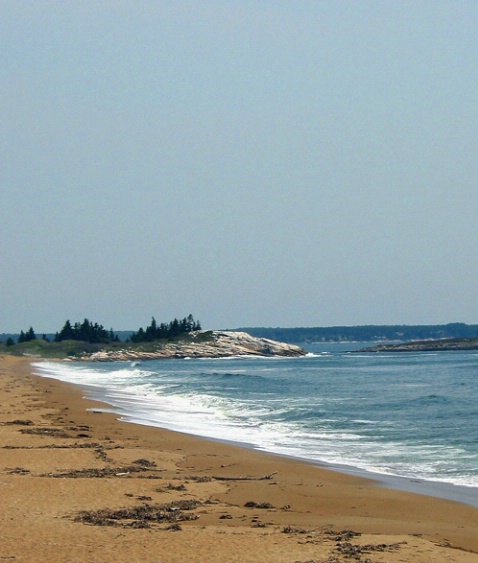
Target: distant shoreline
[(440, 345), (365, 333)]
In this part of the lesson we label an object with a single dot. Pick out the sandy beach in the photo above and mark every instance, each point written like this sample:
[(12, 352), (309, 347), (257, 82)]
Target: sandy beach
[(78, 485)]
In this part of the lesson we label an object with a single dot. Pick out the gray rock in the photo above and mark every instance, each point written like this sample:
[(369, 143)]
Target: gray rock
[(219, 344)]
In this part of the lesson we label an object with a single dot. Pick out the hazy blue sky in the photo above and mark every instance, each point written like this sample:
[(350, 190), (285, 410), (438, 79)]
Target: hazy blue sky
[(254, 163)]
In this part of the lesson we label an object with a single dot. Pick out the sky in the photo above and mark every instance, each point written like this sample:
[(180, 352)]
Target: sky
[(252, 162)]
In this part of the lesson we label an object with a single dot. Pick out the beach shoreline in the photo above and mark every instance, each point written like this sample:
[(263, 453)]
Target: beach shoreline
[(128, 412), (438, 489), (56, 447)]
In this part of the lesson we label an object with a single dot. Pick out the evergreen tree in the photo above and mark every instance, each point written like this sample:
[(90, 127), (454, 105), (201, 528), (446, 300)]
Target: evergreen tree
[(31, 334), (174, 329), (151, 332), (66, 333), (163, 331), (138, 336)]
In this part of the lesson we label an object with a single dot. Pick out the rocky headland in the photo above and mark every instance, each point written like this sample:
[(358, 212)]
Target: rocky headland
[(201, 344), (445, 344)]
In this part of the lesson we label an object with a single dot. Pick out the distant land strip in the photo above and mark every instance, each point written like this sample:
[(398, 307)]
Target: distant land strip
[(441, 345), (365, 333)]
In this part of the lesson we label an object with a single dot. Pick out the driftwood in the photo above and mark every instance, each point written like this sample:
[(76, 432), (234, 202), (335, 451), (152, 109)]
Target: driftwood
[(263, 478)]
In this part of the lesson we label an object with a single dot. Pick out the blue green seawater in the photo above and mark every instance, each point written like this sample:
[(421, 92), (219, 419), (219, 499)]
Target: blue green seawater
[(411, 415)]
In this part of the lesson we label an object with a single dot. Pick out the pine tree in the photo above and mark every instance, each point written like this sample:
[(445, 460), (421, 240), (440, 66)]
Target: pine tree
[(31, 334), (66, 333)]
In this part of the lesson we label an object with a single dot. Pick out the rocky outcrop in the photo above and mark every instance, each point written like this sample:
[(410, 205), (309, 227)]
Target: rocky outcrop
[(445, 344), (201, 344)]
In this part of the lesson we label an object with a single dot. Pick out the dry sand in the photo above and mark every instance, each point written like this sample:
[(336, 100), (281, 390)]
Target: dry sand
[(65, 470)]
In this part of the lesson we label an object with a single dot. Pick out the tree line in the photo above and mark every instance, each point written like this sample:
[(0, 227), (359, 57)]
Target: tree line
[(27, 336), (86, 332), (166, 330), (95, 333)]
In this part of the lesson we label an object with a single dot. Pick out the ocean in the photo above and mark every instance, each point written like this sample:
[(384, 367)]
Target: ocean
[(409, 420)]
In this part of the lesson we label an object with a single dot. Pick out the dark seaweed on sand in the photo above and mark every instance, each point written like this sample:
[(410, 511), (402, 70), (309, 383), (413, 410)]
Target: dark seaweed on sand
[(140, 516)]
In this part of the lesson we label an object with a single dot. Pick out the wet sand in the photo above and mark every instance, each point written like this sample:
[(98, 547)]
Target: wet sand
[(79, 485)]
